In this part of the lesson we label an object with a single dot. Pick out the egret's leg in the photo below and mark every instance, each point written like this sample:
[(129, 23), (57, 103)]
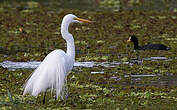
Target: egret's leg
[(55, 98), (44, 97)]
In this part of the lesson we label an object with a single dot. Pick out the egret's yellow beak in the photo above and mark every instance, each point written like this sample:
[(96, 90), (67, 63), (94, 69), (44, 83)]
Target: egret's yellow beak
[(83, 20), (129, 40)]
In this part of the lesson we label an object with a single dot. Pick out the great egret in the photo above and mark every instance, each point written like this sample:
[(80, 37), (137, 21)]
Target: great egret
[(146, 47), (52, 72)]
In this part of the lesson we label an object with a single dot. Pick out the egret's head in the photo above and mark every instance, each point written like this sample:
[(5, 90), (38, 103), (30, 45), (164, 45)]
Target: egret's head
[(70, 18)]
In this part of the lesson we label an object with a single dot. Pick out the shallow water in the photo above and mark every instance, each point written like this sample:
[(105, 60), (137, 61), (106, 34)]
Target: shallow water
[(139, 80), (34, 64), (156, 58), (169, 80)]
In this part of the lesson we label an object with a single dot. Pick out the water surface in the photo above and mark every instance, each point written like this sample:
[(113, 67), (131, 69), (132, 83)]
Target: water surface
[(35, 64)]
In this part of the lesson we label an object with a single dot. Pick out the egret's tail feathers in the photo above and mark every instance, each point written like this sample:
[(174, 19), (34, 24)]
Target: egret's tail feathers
[(47, 77), (60, 81), (51, 74)]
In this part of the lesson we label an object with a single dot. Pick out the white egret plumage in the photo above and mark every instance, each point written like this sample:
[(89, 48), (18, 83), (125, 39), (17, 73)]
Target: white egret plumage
[(53, 71)]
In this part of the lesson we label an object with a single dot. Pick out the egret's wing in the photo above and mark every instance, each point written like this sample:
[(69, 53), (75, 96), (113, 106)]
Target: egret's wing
[(51, 73)]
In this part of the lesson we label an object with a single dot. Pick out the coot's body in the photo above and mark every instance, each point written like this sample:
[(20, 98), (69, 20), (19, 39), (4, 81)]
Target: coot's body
[(146, 47)]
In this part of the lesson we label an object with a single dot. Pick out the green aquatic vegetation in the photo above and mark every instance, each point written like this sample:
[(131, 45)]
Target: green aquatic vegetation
[(32, 4), (162, 17), (81, 42), (93, 58), (31, 36), (173, 17), (100, 42), (172, 39), (93, 91), (11, 100), (113, 4)]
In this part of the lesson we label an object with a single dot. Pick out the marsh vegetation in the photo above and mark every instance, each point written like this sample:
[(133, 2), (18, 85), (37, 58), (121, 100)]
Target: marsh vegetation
[(30, 34)]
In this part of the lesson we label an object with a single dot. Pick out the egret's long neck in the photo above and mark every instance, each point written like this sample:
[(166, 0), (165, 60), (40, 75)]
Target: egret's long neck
[(71, 48), (69, 40)]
